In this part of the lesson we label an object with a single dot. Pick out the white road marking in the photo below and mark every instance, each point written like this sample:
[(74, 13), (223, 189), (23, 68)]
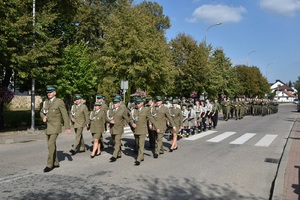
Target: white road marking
[(221, 137), (15, 177), (266, 140), (244, 138), (200, 135)]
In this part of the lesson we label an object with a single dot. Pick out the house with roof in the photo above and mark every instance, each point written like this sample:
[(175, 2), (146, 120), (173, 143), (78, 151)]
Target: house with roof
[(283, 92)]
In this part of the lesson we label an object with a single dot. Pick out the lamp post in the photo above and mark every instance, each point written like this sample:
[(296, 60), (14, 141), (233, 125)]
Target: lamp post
[(33, 80), (267, 70), (209, 28), (249, 54)]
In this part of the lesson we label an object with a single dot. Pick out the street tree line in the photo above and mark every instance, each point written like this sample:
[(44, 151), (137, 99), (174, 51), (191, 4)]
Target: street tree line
[(89, 46)]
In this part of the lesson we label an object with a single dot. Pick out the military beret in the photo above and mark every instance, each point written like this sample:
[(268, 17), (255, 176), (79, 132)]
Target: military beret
[(97, 104), (158, 98), (78, 96), (51, 88), (116, 100)]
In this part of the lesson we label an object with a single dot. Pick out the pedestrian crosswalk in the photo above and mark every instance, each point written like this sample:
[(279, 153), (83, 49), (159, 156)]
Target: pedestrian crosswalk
[(235, 138)]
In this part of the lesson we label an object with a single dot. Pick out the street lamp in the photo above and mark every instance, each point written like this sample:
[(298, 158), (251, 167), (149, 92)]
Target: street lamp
[(249, 54), (209, 28)]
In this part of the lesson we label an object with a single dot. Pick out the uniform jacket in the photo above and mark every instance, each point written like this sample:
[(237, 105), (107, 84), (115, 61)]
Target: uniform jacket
[(81, 114), (97, 121), (140, 118), (161, 116), (177, 116), (57, 116), (120, 116)]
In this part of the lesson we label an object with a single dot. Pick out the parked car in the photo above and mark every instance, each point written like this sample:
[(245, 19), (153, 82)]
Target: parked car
[(298, 106), (296, 101)]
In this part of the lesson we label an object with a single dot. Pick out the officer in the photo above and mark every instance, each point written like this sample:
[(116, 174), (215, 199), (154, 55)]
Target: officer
[(177, 117), (151, 132), (80, 119), (103, 108), (53, 113), (139, 120), (117, 117), (96, 126), (161, 115)]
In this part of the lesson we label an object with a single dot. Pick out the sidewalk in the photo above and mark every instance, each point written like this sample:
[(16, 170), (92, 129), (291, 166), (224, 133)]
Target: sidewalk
[(291, 189)]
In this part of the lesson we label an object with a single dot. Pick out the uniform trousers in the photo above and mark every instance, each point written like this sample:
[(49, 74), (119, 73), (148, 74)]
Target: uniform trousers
[(159, 148), (117, 145), (79, 142), (52, 153), (140, 145)]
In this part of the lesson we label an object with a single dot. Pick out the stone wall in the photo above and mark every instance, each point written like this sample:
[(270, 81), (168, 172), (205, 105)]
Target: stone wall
[(24, 102)]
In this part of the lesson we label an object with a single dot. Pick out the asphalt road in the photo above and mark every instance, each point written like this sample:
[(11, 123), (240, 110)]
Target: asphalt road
[(228, 162)]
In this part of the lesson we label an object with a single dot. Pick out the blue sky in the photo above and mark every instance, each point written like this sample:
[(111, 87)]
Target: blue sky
[(262, 33)]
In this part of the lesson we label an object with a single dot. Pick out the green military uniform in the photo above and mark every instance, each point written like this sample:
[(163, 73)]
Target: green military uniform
[(104, 108), (53, 112), (117, 117), (139, 119), (80, 118), (161, 115)]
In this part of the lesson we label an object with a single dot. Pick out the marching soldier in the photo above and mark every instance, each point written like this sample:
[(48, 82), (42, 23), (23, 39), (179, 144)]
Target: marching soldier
[(162, 114), (97, 123), (117, 117), (139, 121), (80, 119), (177, 117), (53, 113), (151, 131), (103, 108)]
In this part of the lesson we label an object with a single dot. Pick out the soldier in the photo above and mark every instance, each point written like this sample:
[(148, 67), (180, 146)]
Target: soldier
[(162, 114), (103, 108), (226, 108), (80, 119), (151, 132), (53, 113), (117, 117), (139, 119), (96, 126), (177, 117), (191, 119)]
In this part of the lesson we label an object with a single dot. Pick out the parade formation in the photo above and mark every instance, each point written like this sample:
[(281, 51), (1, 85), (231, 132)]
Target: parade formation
[(148, 117)]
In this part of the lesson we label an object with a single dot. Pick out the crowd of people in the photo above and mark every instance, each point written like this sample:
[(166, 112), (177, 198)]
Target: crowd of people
[(147, 117)]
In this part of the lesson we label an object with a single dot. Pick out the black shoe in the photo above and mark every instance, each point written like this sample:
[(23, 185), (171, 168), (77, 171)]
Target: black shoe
[(92, 156), (72, 152), (113, 159), (82, 151), (137, 163), (48, 169), (142, 160), (155, 155), (171, 150), (119, 156), (57, 166), (98, 154)]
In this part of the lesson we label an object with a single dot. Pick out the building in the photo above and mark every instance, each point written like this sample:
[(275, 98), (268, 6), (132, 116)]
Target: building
[(283, 92)]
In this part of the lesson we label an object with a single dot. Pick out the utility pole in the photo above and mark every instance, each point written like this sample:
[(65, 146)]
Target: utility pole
[(33, 80)]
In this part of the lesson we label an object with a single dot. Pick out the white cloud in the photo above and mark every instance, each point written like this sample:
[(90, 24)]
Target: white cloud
[(283, 7), (217, 13)]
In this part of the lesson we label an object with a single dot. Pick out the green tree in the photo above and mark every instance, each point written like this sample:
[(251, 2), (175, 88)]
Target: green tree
[(77, 73), (135, 50), (190, 60), (253, 83)]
